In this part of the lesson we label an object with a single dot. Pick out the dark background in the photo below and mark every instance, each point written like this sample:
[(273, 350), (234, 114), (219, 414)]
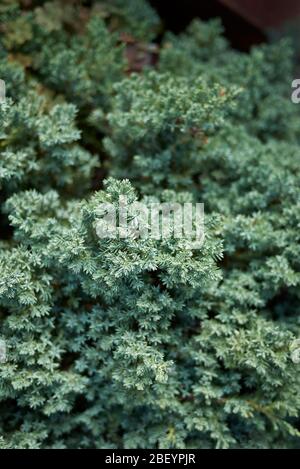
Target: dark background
[(246, 22)]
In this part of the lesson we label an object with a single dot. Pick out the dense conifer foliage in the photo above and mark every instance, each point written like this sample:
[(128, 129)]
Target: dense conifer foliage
[(145, 343)]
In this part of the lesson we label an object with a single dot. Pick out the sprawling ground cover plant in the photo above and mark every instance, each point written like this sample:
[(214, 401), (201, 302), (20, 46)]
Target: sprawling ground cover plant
[(144, 343)]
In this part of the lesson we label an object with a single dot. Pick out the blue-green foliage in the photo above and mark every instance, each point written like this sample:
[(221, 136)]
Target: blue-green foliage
[(144, 343), (264, 76), (90, 64), (159, 125), (39, 140)]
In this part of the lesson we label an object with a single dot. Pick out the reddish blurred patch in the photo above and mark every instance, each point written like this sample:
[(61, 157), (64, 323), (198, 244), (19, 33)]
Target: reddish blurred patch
[(139, 55), (265, 13)]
